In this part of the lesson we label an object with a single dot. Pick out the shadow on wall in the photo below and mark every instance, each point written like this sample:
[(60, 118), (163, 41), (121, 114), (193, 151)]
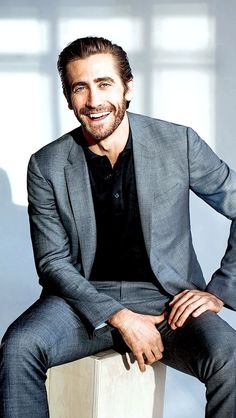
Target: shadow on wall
[(18, 279)]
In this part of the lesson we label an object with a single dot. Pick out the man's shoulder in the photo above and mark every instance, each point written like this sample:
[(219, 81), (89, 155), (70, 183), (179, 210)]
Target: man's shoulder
[(161, 126), (55, 156), (57, 153), (61, 145), (158, 131)]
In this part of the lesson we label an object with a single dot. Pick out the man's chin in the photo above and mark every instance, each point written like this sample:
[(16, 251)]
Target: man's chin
[(95, 135), (99, 133)]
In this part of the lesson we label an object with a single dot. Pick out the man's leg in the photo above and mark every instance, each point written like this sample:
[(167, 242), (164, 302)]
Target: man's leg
[(47, 334), (206, 348)]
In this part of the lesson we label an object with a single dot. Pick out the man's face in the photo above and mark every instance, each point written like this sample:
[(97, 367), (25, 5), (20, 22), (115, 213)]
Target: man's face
[(97, 95)]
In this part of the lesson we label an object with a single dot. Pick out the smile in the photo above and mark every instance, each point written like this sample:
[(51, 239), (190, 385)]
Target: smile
[(98, 116)]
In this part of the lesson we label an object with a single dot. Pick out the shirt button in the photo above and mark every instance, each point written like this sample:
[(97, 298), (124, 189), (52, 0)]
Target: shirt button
[(116, 195), (108, 177)]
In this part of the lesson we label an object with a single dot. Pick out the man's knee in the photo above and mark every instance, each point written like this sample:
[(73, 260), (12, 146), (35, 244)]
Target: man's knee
[(219, 353), (20, 345), (223, 351)]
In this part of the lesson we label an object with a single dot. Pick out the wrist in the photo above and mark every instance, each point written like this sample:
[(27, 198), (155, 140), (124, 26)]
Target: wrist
[(119, 317)]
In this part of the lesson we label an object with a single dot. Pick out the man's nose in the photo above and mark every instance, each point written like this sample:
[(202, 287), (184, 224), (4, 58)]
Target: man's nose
[(94, 99)]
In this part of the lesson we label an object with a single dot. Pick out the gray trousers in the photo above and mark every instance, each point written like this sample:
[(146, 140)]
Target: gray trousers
[(51, 333)]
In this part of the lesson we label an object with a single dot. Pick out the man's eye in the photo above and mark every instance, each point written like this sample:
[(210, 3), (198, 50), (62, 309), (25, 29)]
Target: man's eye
[(105, 85), (78, 89)]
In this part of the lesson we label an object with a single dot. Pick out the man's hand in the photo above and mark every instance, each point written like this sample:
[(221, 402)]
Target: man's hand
[(192, 303), (140, 334)]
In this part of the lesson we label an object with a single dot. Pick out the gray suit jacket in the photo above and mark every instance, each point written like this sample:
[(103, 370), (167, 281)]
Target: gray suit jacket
[(170, 160)]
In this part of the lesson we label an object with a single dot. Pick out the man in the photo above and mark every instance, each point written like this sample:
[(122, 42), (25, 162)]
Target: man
[(109, 215)]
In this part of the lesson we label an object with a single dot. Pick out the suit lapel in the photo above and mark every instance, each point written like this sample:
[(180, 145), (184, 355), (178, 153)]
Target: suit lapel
[(79, 190), (145, 175)]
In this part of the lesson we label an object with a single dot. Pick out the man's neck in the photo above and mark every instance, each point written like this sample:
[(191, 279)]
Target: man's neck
[(114, 144)]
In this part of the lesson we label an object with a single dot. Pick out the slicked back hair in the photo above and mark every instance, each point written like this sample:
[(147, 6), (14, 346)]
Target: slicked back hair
[(85, 47)]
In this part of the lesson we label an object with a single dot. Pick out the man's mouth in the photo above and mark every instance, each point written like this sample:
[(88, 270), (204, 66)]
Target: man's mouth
[(98, 116)]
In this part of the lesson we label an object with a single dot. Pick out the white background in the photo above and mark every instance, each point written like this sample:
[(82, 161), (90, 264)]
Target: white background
[(184, 63)]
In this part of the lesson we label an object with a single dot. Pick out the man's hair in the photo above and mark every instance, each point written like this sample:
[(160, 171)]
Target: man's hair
[(85, 47)]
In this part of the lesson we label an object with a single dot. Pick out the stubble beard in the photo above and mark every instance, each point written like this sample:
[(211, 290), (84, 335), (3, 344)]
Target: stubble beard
[(99, 132)]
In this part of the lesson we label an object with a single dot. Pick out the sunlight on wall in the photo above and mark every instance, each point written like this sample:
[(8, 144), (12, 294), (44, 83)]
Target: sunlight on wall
[(31, 36), (25, 125), (122, 30), (67, 120), (186, 95), (139, 84), (183, 34), (184, 78)]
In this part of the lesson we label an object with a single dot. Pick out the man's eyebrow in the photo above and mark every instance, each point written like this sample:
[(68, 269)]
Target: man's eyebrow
[(109, 79)]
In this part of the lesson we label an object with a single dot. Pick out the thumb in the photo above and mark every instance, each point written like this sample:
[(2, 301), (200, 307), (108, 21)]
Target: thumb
[(159, 318)]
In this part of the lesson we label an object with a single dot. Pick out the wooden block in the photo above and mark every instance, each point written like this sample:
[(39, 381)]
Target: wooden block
[(107, 385)]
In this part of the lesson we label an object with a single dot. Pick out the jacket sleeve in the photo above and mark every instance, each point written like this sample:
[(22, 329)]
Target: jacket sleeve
[(213, 181), (58, 272)]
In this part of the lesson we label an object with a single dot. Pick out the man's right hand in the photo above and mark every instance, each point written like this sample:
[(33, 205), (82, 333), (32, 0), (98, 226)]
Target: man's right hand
[(140, 334)]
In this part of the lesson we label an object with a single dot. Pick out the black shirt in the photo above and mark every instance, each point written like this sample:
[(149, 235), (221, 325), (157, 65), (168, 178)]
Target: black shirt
[(121, 253)]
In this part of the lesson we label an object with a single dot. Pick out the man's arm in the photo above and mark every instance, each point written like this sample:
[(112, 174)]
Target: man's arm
[(58, 272), (213, 181)]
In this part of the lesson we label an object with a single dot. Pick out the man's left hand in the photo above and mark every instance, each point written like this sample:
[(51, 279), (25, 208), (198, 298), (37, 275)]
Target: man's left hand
[(192, 303)]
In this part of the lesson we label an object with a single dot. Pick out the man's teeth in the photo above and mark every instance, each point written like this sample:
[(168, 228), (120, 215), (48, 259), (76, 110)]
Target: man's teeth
[(98, 115)]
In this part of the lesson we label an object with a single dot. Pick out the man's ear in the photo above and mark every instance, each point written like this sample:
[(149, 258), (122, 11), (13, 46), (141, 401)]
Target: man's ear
[(129, 90), (67, 99)]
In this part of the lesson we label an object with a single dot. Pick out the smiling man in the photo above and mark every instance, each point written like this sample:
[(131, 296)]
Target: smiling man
[(110, 227), (98, 101), (98, 97)]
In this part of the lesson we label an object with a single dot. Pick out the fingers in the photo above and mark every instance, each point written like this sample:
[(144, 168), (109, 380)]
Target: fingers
[(179, 304), (159, 348), (181, 312), (191, 303), (141, 362), (178, 297), (199, 311), (148, 353), (148, 357), (157, 354)]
